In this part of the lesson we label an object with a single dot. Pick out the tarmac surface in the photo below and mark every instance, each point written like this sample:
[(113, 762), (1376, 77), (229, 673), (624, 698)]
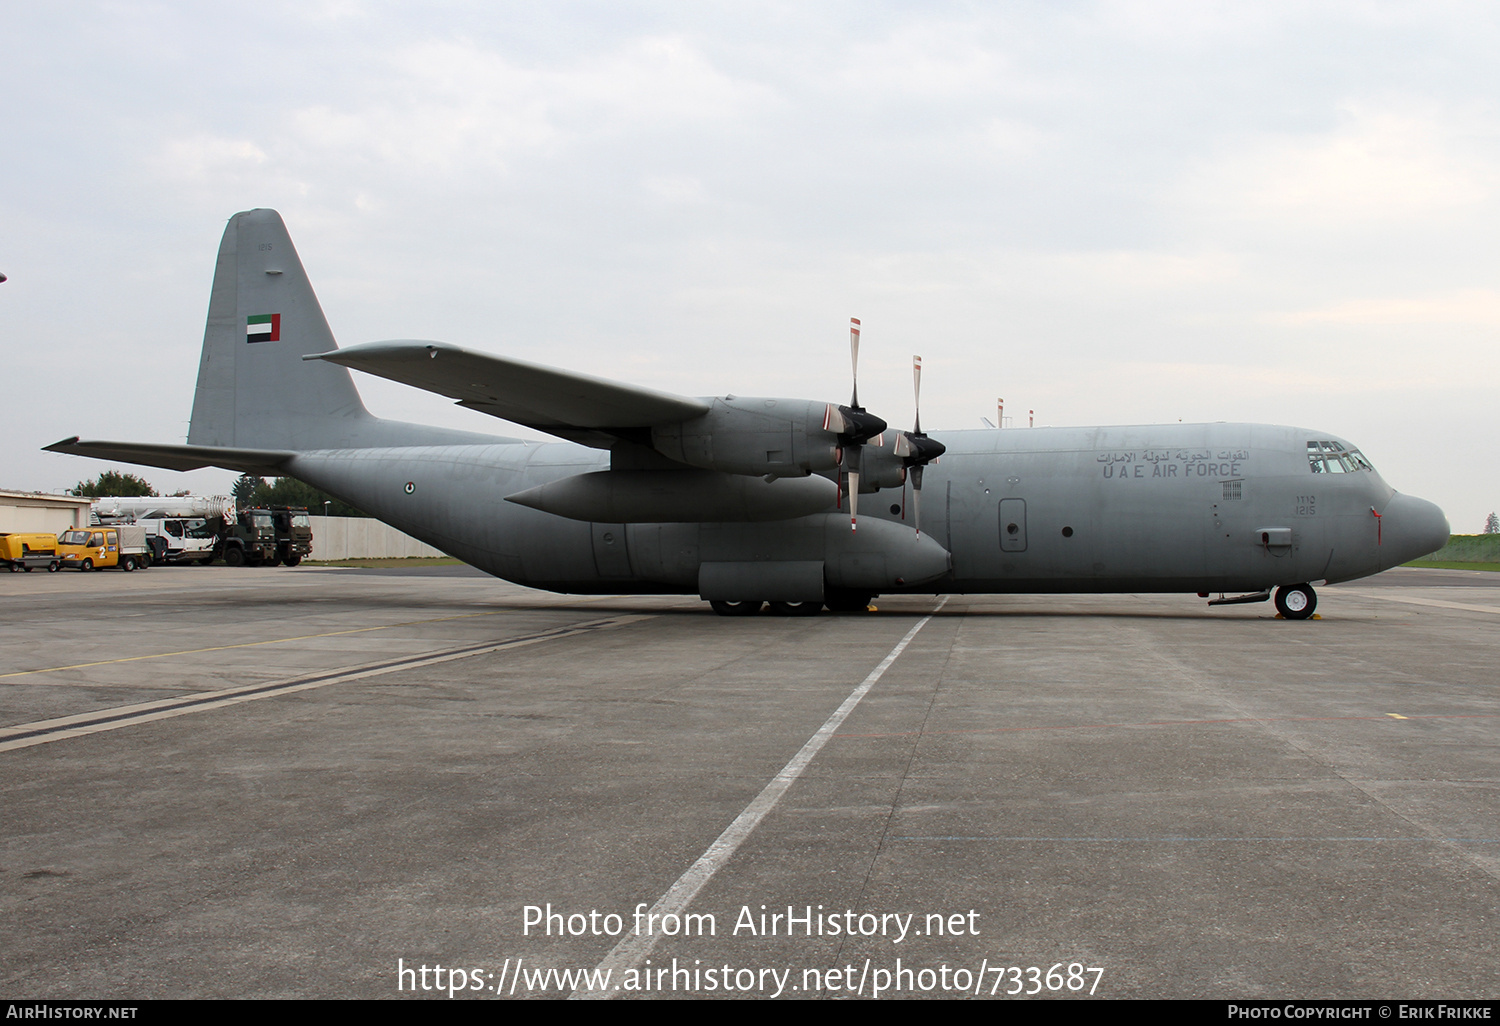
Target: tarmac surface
[(317, 782)]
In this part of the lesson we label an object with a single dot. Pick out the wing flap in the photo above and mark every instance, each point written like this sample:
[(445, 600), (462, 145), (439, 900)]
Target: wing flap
[(575, 406), (177, 457)]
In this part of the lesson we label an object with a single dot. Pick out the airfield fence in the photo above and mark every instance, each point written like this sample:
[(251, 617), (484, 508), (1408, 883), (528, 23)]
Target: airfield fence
[(363, 538)]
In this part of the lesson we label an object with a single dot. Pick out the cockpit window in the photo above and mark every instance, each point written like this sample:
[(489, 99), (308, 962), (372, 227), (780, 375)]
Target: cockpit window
[(1329, 457)]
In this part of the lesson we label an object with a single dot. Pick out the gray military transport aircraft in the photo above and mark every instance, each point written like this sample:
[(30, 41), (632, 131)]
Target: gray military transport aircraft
[(746, 501)]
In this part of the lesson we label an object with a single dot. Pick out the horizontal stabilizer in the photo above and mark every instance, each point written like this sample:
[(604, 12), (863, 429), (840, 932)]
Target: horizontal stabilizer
[(178, 457), (574, 406)]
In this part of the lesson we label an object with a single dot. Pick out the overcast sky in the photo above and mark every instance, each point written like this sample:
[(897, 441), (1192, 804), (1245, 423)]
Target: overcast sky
[(1109, 213)]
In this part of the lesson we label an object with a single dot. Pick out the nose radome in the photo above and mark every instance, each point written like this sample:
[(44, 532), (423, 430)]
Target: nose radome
[(1419, 526)]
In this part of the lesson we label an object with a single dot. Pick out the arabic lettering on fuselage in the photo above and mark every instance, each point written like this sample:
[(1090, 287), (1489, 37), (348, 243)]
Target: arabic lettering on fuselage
[(1123, 464)]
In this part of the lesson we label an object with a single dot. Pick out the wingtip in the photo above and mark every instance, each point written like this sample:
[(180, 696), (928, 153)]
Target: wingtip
[(58, 446)]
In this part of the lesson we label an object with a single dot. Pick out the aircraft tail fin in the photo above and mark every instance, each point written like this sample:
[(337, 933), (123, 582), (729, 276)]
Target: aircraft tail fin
[(254, 390)]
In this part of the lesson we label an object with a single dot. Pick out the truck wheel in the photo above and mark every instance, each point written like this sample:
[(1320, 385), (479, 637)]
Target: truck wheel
[(293, 559), (127, 564), (52, 567), (234, 556), (86, 565)]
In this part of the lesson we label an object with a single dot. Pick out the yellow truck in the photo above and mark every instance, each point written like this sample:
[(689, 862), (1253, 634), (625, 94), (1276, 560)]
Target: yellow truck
[(26, 552), (94, 548)]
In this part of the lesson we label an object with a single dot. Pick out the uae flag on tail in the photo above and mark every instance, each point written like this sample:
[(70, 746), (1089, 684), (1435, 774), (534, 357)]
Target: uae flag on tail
[(263, 328)]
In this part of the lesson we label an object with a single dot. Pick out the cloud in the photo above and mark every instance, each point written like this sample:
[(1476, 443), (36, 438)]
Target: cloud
[(1463, 306), (1375, 169)]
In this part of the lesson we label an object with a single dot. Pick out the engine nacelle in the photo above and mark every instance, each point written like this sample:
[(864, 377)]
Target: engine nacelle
[(778, 437), (880, 467)]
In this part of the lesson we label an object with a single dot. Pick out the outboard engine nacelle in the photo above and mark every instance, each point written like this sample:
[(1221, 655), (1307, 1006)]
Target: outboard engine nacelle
[(777, 437)]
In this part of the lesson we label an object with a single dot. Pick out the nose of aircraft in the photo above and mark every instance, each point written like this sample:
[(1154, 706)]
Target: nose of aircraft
[(1414, 526)]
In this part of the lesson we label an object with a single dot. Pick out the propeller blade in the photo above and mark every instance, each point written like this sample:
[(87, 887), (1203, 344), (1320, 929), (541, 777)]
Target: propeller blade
[(916, 388), (916, 497), (854, 358), (852, 457)]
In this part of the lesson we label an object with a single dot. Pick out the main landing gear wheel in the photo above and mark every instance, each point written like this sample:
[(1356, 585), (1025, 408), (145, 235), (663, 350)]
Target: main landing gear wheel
[(1296, 601), (796, 608), (736, 608)]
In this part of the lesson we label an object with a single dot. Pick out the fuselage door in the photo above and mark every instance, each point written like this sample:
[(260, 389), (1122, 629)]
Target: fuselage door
[(1012, 525)]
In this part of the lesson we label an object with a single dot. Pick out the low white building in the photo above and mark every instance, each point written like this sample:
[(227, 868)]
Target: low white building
[(24, 512)]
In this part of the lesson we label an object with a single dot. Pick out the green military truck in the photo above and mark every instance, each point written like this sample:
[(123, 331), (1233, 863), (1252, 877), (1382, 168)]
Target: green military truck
[(266, 537)]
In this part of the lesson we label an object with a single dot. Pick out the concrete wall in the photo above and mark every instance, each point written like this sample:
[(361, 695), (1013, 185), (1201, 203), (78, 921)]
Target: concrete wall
[(363, 538)]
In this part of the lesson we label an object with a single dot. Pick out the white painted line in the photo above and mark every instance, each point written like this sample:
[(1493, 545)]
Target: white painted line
[(27, 735), (631, 951)]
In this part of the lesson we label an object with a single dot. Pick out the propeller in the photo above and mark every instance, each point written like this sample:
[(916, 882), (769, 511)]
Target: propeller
[(915, 448), (854, 425)]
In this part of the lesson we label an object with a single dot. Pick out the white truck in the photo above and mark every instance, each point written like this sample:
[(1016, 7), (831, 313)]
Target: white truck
[(179, 528)]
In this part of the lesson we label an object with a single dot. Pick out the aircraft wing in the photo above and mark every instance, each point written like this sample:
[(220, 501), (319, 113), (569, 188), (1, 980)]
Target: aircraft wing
[(178, 457), (578, 407)]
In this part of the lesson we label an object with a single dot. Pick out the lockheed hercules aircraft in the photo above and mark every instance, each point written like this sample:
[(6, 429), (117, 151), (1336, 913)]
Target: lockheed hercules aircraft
[(743, 501)]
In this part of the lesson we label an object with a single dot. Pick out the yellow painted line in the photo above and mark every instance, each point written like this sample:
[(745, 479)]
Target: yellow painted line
[(27, 735), (276, 641), (247, 644), (1396, 716)]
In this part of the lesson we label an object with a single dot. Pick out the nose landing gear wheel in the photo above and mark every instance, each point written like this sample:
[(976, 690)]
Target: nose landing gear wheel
[(1296, 601)]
